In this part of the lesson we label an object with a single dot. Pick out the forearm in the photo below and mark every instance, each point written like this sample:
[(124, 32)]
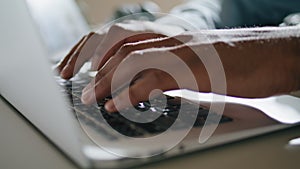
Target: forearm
[(261, 65)]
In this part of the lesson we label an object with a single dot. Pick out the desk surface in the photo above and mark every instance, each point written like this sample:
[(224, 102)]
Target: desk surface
[(22, 146)]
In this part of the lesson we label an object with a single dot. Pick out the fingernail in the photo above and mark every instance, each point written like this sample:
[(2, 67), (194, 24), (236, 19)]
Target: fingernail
[(64, 72)]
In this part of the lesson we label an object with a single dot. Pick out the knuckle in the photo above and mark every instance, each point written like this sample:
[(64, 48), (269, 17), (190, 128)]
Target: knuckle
[(115, 28), (139, 58), (136, 59), (85, 36), (126, 49), (90, 34), (132, 57)]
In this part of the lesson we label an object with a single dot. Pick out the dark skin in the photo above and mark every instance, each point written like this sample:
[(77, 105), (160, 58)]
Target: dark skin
[(258, 62)]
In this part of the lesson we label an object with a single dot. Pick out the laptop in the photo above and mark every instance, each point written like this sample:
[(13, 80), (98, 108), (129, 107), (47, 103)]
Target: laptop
[(89, 135)]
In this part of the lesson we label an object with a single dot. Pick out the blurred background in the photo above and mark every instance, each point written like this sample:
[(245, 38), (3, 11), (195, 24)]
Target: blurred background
[(63, 23), (99, 11)]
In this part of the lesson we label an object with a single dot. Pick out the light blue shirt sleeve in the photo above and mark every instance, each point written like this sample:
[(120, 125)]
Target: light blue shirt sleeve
[(210, 14)]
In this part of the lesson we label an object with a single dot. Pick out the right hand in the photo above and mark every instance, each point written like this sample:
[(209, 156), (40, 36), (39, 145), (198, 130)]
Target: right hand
[(99, 47)]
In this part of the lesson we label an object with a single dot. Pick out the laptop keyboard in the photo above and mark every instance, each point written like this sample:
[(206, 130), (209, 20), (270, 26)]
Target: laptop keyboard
[(94, 115)]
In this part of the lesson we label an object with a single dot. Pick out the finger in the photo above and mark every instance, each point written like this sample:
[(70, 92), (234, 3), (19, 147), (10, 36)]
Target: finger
[(109, 66), (66, 71), (63, 63), (127, 71), (149, 85), (102, 88), (130, 47), (152, 43), (113, 42), (82, 54), (98, 90)]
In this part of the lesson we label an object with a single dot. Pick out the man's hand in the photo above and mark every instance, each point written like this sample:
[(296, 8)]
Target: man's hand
[(257, 62), (144, 60)]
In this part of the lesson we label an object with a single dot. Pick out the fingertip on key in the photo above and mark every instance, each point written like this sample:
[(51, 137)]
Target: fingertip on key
[(66, 73), (110, 107)]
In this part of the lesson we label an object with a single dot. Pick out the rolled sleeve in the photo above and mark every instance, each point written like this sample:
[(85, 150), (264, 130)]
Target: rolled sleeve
[(210, 14)]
